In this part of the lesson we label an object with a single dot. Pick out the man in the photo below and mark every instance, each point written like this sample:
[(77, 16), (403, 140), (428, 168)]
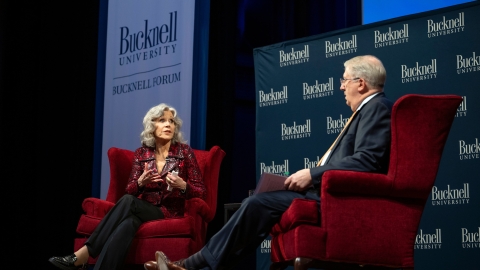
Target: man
[(363, 145)]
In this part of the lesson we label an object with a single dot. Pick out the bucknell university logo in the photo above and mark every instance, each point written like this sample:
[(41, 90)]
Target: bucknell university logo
[(336, 125), (450, 195), (307, 163), (280, 169), (150, 41), (446, 26), (391, 37), (471, 239), (469, 149), (318, 90), (419, 72), (340, 47), (273, 97), (295, 131), (429, 240), (265, 246), (294, 57), (467, 64), (462, 108)]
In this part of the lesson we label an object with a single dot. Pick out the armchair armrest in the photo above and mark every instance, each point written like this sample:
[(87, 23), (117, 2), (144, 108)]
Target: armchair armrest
[(196, 206), (353, 182), (96, 207)]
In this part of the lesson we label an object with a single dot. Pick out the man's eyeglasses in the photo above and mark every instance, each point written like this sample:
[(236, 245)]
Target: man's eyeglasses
[(342, 80)]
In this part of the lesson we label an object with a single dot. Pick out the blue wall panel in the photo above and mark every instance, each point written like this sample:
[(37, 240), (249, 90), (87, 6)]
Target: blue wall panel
[(304, 91)]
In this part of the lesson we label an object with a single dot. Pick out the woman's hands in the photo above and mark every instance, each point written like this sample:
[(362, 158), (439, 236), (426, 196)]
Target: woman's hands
[(175, 181), (148, 176)]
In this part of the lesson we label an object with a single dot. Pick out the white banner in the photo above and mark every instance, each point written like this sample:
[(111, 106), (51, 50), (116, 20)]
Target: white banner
[(148, 61)]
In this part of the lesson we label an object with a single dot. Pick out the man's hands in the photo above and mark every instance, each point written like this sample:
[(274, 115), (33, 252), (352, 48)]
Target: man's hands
[(299, 181)]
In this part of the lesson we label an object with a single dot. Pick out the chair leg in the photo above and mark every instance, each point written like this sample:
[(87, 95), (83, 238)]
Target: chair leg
[(302, 263)]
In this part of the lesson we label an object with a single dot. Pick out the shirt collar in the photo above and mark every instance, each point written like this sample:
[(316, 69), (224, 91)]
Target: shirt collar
[(367, 100)]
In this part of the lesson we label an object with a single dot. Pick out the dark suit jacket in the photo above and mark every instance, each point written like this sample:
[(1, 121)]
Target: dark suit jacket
[(365, 145)]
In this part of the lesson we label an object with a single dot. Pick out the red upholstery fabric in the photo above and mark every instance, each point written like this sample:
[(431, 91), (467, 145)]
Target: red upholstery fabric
[(368, 218), (178, 237)]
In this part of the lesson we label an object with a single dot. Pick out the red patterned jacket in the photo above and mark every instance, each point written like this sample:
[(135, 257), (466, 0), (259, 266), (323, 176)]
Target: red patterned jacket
[(172, 203)]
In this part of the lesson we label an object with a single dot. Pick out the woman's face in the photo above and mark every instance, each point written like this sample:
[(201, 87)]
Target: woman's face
[(164, 126)]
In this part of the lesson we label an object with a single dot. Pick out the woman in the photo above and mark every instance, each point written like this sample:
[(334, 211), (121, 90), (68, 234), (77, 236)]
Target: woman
[(154, 191)]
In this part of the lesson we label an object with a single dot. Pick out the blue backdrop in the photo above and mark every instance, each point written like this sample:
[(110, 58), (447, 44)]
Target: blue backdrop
[(435, 52)]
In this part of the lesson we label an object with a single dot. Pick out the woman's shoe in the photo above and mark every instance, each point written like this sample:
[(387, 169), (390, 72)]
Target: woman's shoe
[(66, 263)]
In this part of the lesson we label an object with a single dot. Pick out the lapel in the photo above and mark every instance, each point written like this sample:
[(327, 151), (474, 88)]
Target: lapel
[(342, 135), (355, 118), (175, 156)]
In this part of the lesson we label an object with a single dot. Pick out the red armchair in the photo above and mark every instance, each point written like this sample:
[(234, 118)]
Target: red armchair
[(370, 220), (178, 237)]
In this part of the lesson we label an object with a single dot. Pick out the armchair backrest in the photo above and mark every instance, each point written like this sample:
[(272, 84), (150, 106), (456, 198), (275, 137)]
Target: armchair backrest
[(420, 127), (121, 166), (209, 162)]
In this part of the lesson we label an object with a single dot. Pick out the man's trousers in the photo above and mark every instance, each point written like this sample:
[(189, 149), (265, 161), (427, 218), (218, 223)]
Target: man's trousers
[(248, 227)]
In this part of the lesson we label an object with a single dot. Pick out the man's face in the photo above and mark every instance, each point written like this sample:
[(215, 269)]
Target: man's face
[(350, 90)]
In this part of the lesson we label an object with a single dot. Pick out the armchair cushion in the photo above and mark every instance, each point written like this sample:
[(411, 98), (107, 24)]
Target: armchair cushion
[(297, 242), (169, 227), (360, 183), (302, 211), (96, 207)]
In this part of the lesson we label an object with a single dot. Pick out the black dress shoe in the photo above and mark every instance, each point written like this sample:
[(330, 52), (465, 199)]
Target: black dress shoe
[(66, 263)]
